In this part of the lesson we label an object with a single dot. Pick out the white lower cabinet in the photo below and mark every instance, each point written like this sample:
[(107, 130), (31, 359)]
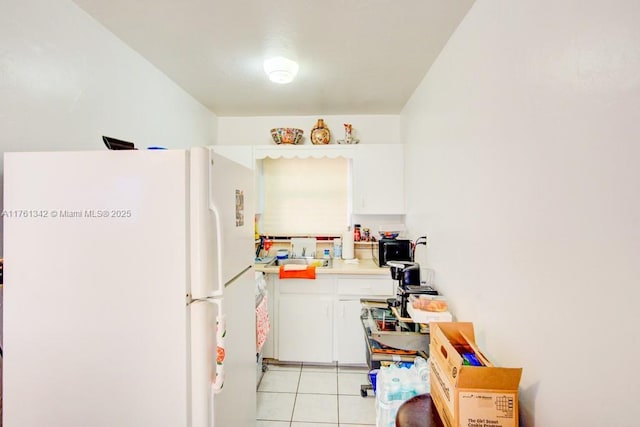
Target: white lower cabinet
[(349, 335), (305, 320), (348, 332), (319, 321)]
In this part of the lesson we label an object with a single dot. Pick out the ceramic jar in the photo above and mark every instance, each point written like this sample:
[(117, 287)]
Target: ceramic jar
[(320, 134)]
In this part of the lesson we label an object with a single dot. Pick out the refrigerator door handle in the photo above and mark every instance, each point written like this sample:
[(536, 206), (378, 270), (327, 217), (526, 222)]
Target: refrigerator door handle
[(219, 289)]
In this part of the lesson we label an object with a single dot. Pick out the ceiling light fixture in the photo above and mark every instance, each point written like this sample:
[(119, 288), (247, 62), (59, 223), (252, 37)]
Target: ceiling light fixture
[(280, 70)]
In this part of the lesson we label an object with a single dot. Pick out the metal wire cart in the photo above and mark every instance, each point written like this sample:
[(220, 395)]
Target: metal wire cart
[(390, 338)]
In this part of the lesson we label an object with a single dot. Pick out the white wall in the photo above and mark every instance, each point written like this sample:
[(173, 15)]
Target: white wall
[(523, 152), (65, 81), (370, 129)]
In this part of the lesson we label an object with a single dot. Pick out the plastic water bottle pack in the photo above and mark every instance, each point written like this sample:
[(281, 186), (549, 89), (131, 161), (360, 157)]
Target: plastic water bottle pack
[(395, 385)]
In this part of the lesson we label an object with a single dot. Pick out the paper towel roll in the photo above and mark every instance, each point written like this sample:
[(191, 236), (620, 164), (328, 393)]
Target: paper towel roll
[(347, 244)]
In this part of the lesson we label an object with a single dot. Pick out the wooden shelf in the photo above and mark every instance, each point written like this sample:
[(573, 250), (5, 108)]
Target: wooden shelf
[(365, 243)]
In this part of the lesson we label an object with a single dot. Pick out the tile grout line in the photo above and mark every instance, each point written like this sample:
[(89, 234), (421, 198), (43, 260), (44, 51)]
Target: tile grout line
[(295, 398), (336, 391)]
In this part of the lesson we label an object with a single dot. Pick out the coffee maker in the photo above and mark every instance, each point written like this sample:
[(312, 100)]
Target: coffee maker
[(407, 273)]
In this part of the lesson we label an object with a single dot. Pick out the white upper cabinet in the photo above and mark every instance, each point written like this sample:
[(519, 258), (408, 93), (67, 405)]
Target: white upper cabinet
[(377, 174), (242, 154), (378, 179)]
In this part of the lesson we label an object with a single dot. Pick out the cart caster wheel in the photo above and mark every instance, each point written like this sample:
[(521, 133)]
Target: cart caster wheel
[(363, 392)]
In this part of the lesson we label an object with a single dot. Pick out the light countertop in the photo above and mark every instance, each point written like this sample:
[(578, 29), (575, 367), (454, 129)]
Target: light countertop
[(363, 266)]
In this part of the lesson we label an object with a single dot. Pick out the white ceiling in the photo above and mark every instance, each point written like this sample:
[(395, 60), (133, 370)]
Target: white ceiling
[(355, 56)]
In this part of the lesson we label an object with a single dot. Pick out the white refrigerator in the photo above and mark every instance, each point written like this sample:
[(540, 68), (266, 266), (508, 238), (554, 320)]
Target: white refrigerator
[(129, 295)]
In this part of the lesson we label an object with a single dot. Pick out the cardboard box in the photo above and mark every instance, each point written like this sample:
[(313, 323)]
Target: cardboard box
[(470, 396)]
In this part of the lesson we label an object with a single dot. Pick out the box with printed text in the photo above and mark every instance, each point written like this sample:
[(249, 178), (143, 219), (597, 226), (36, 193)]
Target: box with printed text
[(466, 388)]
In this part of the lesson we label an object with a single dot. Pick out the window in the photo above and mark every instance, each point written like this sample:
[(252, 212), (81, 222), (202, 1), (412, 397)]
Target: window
[(305, 196)]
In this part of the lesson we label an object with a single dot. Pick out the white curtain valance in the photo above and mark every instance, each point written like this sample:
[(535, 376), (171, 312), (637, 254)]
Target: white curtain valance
[(303, 151)]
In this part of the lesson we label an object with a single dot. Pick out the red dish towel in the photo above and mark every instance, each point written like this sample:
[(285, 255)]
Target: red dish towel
[(291, 271)]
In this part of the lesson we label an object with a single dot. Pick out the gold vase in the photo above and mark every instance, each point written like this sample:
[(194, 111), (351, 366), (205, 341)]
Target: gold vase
[(320, 134)]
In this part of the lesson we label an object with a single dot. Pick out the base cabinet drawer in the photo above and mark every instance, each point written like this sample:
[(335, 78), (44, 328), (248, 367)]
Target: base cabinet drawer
[(366, 286), (321, 285)]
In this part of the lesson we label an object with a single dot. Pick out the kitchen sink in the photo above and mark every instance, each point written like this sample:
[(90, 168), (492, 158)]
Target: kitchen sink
[(318, 262)]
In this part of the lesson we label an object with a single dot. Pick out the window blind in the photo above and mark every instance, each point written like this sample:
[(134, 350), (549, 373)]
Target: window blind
[(305, 196)]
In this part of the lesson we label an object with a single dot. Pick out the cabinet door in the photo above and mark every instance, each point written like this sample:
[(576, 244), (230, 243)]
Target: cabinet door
[(378, 179), (350, 344), (349, 334), (305, 328), (242, 154)]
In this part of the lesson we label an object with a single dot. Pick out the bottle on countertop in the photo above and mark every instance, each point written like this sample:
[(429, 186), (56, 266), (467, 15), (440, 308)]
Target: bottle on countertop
[(347, 244), (337, 247), (357, 236)]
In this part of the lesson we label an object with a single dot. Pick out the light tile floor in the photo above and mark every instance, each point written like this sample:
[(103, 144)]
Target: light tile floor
[(302, 395)]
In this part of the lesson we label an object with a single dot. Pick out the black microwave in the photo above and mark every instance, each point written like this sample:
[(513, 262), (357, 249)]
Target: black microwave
[(392, 250)]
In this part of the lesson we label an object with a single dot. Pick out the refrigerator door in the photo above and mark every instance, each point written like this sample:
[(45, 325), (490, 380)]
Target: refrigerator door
[(223, 291), (235, 404), (204, 358), (96, 321), (223, 356), (222, 222)]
